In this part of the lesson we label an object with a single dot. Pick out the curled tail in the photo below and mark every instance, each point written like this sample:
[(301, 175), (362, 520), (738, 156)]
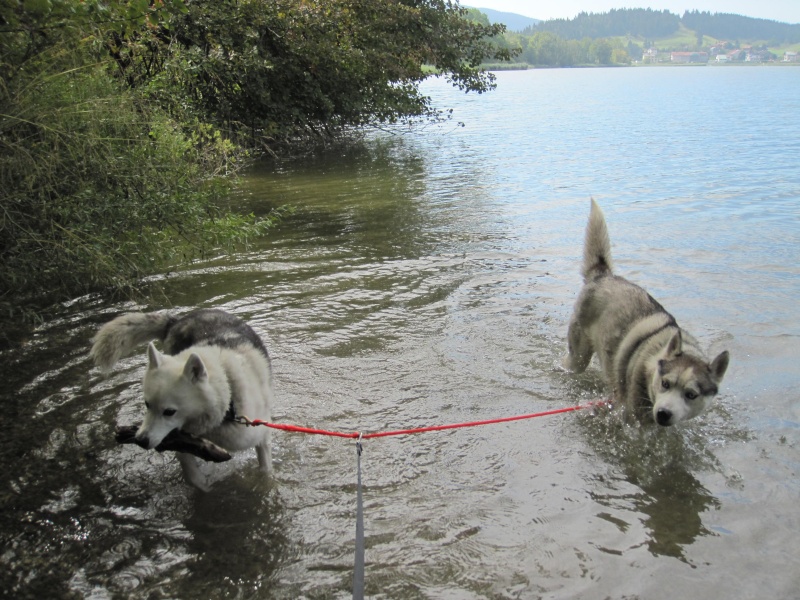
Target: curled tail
[(118, 337), (596, 247)]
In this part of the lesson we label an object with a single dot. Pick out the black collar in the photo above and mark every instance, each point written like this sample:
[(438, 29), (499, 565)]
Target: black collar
[(231, 414)]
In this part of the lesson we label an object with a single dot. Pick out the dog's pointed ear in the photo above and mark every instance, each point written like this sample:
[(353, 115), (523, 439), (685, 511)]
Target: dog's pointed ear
[(675, 346), (154, 357), (195, 370), (718, 366)]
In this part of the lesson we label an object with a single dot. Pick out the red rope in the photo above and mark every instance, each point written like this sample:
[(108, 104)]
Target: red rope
[(309, 430)]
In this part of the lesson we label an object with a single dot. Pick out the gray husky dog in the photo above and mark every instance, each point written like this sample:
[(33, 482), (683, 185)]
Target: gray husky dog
[(654, 368), (214, 368)]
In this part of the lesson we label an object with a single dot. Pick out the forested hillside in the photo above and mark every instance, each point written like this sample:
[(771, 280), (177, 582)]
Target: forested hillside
[(737, 27), (622, 36), (652, 24), (626, 21)]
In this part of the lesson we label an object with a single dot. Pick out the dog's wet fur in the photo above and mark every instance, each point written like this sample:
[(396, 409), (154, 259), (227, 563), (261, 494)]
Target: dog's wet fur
[(655, 369), (214, 368)]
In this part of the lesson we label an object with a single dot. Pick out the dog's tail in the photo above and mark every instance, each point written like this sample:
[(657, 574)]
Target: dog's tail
[(596, 247), (118, 337)]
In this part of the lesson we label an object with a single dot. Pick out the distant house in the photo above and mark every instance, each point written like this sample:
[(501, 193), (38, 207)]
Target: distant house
[(790, 57), (722, 58), (689, 57), (650, 53)]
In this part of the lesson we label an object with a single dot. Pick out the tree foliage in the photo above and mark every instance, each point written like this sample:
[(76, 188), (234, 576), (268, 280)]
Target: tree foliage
[(116, 118), (546, 49), (282, 69), (99, 186)]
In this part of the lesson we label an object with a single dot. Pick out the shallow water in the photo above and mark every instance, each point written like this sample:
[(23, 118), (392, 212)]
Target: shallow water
[(427, 277)]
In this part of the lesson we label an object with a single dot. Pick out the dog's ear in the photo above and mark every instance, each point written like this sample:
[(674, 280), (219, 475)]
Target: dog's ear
[(154, 357), (195, 370), (675, 346), (718, 366)]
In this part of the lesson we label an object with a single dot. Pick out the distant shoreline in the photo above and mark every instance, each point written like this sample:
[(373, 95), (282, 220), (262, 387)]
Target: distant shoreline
[(497, 67)]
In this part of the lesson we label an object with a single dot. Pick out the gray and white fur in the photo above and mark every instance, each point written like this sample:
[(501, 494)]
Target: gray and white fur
[(214, 367), (654, 368)]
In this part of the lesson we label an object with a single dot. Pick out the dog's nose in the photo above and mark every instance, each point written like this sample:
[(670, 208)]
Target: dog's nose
[(143, 441), (663, 416)]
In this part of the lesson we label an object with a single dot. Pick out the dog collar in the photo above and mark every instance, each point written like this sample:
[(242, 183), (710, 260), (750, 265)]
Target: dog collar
[(231, 414)]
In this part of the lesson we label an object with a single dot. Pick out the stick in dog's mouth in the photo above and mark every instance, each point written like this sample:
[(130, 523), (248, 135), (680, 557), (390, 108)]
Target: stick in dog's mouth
[(178, 441)]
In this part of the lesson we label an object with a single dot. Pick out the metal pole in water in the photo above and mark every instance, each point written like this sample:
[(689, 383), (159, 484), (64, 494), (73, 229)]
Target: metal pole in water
[(358, 571)]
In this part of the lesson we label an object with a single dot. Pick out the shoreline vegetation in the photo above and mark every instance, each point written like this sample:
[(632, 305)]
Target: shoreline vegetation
[(123, 124), (497, 67)]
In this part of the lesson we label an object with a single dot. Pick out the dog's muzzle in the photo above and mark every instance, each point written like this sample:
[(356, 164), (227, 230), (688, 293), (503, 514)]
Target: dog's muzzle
[(664, 417), (143, 442)]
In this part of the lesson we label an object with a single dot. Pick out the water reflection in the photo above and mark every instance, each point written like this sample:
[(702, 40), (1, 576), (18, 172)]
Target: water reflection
[(660, 464), (362, 202), (674, 501), (431, 281), (237, 536), (148, 539), (81, 516)]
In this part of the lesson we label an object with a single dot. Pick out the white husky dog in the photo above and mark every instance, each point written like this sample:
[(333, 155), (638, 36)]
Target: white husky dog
[(215, 368), (654, 368)]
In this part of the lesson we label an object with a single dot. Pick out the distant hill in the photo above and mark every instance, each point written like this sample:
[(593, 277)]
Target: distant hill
[(728, 26), (512, 21), (655, 24), (644, 22)]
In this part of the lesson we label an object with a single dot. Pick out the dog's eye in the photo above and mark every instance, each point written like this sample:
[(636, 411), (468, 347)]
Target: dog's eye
[(690, 395), (664, 384), (168, 412)]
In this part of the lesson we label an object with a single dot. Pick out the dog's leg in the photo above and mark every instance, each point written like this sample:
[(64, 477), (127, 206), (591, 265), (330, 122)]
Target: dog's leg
[(264, 454), (192, 472), (579, 349)]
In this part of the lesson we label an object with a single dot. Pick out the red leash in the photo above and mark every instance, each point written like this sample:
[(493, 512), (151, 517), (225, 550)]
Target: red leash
[(358, 571), (297, 429)]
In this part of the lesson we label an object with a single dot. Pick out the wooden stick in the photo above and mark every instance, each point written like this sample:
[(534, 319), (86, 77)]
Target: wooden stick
[(178, 441)]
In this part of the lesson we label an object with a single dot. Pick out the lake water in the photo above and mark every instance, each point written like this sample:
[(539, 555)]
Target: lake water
[(427, 277)]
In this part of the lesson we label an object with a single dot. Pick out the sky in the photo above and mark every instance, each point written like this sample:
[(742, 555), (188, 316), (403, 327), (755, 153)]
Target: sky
[(787, 11)]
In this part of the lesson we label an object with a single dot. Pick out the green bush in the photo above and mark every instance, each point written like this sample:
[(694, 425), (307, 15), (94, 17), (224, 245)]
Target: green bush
[(113, 160), (99, 185), (100, 188)]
